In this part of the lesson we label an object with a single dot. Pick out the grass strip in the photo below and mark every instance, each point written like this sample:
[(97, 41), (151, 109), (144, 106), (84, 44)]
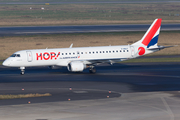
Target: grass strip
[(23, 96), (86, 14)]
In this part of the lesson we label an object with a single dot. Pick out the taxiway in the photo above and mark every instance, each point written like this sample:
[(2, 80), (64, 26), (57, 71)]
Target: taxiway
[(36, 30), (138, 91)]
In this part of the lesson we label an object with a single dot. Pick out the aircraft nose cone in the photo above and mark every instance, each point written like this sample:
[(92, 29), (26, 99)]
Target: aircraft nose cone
[(6, 63)]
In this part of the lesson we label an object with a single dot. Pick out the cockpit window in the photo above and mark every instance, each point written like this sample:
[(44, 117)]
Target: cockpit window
[(15, 55)]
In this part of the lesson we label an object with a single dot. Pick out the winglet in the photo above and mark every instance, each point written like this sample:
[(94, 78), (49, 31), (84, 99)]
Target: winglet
[(71, 45)]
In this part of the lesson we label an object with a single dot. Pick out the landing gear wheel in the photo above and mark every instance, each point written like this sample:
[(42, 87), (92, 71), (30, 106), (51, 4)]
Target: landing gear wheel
[(22, 70), (92, 70)]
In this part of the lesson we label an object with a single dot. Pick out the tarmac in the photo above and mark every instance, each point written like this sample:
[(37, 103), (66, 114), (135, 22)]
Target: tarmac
[(129, 91), (37, 30)]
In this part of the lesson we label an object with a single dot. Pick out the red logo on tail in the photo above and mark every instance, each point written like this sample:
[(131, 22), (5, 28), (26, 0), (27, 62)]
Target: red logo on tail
[(142, 51)]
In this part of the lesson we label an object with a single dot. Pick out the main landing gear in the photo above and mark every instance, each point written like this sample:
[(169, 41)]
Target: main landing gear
[(92, 69), (22, 70)]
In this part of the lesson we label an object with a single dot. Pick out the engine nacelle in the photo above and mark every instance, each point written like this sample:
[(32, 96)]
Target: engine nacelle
[(76, 66)]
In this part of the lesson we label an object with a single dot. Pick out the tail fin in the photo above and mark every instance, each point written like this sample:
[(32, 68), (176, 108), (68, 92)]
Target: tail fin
[(150, 38)]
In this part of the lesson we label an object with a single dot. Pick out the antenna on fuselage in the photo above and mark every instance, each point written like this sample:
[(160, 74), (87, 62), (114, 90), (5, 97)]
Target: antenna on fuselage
[(71, 45)]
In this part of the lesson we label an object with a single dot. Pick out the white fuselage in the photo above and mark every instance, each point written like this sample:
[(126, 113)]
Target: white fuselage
[(63, 56)]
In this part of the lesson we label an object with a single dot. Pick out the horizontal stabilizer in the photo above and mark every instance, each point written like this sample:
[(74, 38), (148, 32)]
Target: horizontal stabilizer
[(161, 47)]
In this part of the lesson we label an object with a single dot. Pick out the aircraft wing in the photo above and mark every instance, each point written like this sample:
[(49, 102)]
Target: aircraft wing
[(100, 61)]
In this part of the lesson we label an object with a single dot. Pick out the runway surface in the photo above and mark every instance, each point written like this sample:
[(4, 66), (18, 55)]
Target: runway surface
[(91, 2), (13, 31), (138, 91), (119, 78)]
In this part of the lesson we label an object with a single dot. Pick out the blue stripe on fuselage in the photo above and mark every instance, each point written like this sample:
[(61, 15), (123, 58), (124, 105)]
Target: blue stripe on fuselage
[(153, 41)]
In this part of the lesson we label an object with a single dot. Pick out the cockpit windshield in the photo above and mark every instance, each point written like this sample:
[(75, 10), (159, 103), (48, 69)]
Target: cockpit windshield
[(15, 55)]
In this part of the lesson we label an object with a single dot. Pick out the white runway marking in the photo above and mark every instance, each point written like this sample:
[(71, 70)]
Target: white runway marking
[(168, 108)]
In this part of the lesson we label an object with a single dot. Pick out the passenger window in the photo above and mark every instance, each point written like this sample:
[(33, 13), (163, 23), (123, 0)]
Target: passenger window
[(18, 55), (89, 52), (81, 52), (69, 53), (106, 51), (103, 51), (113, 51), (109, 51), (100, 52), (93, 52), (127, 50), (120, 51), (123, 50), (116, 50), (66, 53), (96, 51), (73, 53)]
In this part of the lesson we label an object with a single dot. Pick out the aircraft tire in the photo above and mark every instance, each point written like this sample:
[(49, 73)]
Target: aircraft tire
[(22, 73)]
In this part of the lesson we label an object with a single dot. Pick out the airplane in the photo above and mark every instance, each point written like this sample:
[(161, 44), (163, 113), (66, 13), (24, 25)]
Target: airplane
[(79, 58)]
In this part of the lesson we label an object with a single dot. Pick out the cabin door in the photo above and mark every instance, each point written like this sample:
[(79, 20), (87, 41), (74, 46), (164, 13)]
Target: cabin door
[(29, 56), (132, 51)]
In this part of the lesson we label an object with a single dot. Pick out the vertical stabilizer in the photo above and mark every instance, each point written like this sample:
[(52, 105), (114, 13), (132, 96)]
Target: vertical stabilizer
[(150, 38)]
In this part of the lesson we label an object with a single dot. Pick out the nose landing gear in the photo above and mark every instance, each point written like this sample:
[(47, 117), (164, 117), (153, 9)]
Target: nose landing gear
[(22, 70)]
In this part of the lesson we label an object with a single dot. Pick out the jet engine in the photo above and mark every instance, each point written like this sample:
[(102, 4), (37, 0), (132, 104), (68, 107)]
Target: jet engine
[(76, 66)]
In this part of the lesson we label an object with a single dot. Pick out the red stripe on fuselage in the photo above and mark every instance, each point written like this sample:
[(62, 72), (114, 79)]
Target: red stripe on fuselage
[(152, 32)]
